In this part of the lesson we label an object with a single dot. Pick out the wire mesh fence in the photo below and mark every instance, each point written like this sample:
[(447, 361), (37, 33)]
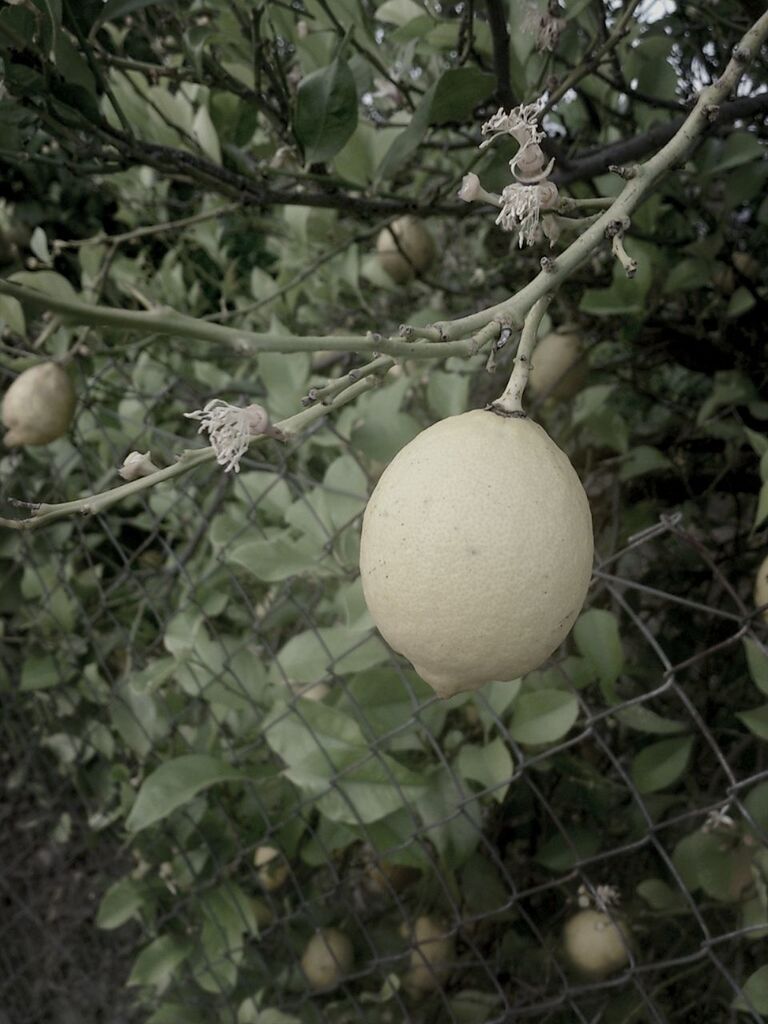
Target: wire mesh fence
[(222, 788)]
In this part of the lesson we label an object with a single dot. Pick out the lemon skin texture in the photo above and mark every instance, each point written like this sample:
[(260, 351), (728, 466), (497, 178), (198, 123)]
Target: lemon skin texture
[(476, 550)]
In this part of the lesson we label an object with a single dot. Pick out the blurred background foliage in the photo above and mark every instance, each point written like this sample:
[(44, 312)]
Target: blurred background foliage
[(193, 677)]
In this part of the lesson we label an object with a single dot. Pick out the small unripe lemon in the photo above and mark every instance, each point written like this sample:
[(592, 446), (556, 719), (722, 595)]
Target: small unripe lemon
[(38, 407), (746, 264), (761, 586), (557, 370), (723, 278), (272, 868), (415, 252), (476, 550), (431, 956), (596, 944), (327, 959)]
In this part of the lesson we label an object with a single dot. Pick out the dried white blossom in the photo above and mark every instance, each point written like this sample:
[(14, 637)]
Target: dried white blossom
[(471, 190), (719, 819), (520, 123), (521, 209), (230, 429), (136, 465), (547, 27), (604, 896)]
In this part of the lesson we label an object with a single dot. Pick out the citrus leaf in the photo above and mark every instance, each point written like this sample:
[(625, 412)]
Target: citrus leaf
[(642, 719), (157, 962), (175, 783), (119, 904), (326, 111), (661, 764), (407, 142), (597, 637), (457, 93), (757, 663), (543, 716), (756, 720), (754, 994)]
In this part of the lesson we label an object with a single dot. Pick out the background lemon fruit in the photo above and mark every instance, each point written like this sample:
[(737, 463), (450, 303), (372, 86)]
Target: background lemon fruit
[(38, 407)]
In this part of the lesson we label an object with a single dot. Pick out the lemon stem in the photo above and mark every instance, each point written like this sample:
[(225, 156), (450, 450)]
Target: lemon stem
[(511, 401)]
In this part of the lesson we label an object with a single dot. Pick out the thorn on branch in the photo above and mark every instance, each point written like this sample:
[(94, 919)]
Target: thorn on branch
[(503, 338), (711, 112), (617, 227), (627, 173), (33, 507), (548, 264), (740, 55), (628, 263)]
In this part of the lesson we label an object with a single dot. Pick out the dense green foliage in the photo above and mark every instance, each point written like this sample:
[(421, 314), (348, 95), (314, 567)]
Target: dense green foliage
[(198, 662)]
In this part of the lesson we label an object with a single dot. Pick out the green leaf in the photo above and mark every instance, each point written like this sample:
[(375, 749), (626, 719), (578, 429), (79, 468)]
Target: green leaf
[(328, 758), (757, 663), (597, 637), (119, 904), (490, 765), (365, 787), (47, 281), (660, 896), (455, 835), (383, 702), (759, 442), (661, 764), (399, 12), (761, 512), (754, 995), (174, 784), (407, 141), (740, 303), (642, 459), (114, 9), (447, 393), (730, 387), (642, 719), (310, 656), (543, 716), (756, 720), (157, 962), (590, 401), (561, 853), (457, 93), (40, 672), (279, 556), (688, 275), (739, 147), (326, 111)]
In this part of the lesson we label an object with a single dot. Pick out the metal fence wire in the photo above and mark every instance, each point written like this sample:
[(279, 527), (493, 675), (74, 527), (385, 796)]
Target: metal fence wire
[(209, 757)]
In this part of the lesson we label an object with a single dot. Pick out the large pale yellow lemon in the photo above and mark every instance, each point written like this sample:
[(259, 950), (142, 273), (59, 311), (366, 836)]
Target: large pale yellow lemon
[(557, 369), (476, 550), (595, 944), (413, 251), (38, 406)]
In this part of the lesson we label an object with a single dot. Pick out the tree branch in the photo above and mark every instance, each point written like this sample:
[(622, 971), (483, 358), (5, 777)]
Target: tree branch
[(497, 21), (598, 161)]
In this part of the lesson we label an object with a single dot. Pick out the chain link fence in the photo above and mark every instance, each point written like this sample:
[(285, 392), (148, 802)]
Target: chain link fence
[(209, 757)]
